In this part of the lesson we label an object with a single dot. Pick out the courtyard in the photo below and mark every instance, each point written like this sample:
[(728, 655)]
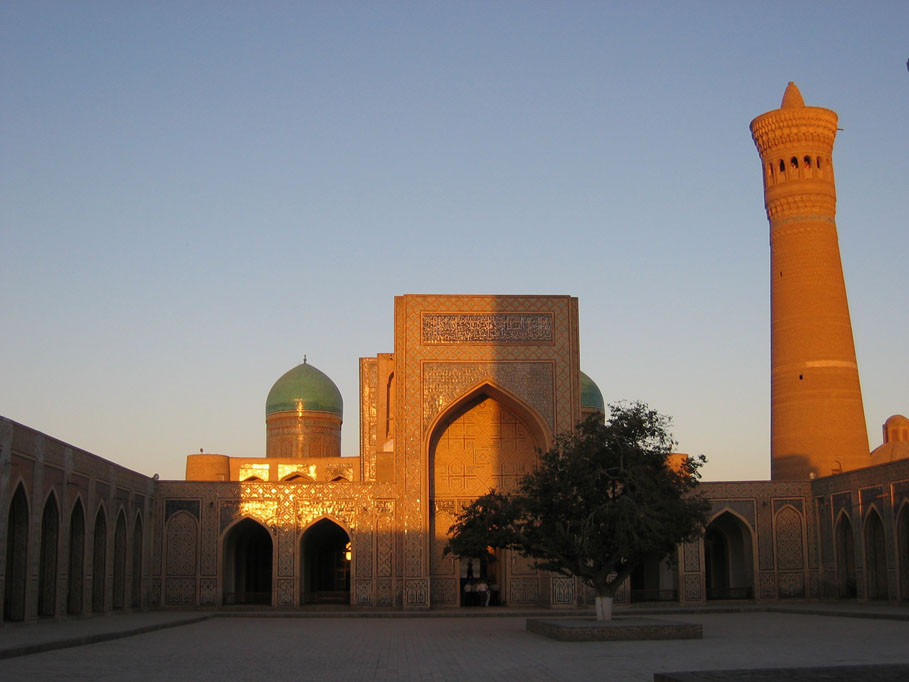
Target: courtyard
[(440, 647)]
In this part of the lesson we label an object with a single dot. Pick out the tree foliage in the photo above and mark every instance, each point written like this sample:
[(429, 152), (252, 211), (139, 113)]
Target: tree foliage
[(603, 499)]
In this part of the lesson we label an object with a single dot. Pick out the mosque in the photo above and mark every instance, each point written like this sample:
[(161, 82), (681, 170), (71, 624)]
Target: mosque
[(475, 387)]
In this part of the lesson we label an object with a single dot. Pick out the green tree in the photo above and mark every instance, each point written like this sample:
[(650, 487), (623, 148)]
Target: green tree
[(601, 501)]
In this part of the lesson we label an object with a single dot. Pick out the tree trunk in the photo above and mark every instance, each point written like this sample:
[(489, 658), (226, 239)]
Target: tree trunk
[(604, 607)]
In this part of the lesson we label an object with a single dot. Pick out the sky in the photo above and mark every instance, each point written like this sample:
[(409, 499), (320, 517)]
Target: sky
[(195, 195)]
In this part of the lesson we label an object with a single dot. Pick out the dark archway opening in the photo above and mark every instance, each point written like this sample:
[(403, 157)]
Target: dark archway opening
[(326, 552), (120, 562), (16, 559), (902, 544), (47, 570), (655, 580), (99, 562), (76, 555), (136, 592), (247, 566), (728, 558), (845, 558), (876, 556)]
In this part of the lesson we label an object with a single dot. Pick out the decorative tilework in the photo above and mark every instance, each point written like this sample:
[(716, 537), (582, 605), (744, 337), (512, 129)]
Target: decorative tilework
[(499, 328), (444, 591), (180, 591), (171, 507), (286, 546), (443, 382), (792, 585), (693, 588), (563, 590), (692, 554), (181, 542), (416, 592), (285, 592), (364, 592), (208, 588), (767, 585), (384, 595), (789, 554), (524, 591)]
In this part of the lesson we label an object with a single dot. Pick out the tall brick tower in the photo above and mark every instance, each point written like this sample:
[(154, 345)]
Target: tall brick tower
[(817, 421)]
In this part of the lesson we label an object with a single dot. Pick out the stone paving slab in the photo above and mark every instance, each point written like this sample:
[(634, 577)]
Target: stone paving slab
[(620, 628), (846, 673), (459, 648)]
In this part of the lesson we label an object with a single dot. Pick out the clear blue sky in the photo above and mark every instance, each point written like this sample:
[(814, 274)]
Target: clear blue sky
[(193, 195)]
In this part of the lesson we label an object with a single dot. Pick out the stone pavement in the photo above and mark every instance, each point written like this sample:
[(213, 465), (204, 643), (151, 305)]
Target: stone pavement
[(443, 646)]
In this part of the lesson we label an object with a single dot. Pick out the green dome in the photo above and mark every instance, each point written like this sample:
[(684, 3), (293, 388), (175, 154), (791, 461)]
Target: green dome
[(591, 398), (306, 387)]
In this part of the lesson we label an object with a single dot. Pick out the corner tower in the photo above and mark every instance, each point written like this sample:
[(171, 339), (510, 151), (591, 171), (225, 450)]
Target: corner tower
[(817, 421)]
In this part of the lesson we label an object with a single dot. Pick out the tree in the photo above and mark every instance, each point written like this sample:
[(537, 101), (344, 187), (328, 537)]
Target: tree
[(602, 500)]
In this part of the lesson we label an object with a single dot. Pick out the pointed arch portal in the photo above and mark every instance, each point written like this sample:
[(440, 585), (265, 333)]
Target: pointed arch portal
[(16, 559), (325, 551), (247, 565), (729, 558), (845, 557)]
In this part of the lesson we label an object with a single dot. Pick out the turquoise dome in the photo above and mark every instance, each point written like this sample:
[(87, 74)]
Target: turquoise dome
[(591, 397), (304, 387)]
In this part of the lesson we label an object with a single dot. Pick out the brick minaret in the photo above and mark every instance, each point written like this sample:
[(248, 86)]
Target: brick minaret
[(817, 421)]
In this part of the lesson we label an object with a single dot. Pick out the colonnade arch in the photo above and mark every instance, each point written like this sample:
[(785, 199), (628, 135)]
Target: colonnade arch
[(119, 600), (875, 556), (729, 557), (902, 549), (845, 557), (75, 575), (99, 561), (47, 565), (136, 591), (16, 556), (325, 556), (247, 560)]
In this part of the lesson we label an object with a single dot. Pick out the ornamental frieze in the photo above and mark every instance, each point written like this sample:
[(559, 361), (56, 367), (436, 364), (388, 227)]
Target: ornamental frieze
[(526, 328)]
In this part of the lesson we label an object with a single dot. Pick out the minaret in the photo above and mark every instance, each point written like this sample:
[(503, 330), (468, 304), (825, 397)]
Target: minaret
[(817, 422)]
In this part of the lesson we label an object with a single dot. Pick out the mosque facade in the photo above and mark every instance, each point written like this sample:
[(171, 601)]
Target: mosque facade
[(474, 388)]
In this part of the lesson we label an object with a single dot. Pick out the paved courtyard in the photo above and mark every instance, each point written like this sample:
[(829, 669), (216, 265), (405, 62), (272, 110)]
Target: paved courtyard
[(443, 648)]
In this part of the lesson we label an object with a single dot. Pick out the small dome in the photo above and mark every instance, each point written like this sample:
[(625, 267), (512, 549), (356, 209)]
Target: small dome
[(591, 397), (304, 388)]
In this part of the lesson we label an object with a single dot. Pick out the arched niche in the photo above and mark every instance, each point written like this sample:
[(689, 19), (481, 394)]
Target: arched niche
[(844, 541), (16, 556), (119, 601), (729, 557), (902, 549), (99, 560), (76, 573), (47, 564), (875, 556), (136, 557)]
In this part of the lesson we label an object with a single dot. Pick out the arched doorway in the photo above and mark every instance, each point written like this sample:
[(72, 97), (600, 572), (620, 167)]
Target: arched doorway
[(655, 580), (99, 562), (902, 548), (875, 556), (845, 557), (487, 439), (325, 550), (47, 570), (16, 559), (76, 556), (247, 565), (136, 591), (120, 561), (729, 558)]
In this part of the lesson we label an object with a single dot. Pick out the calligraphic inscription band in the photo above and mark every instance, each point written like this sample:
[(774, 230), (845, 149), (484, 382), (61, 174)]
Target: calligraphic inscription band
[(519, 328)]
